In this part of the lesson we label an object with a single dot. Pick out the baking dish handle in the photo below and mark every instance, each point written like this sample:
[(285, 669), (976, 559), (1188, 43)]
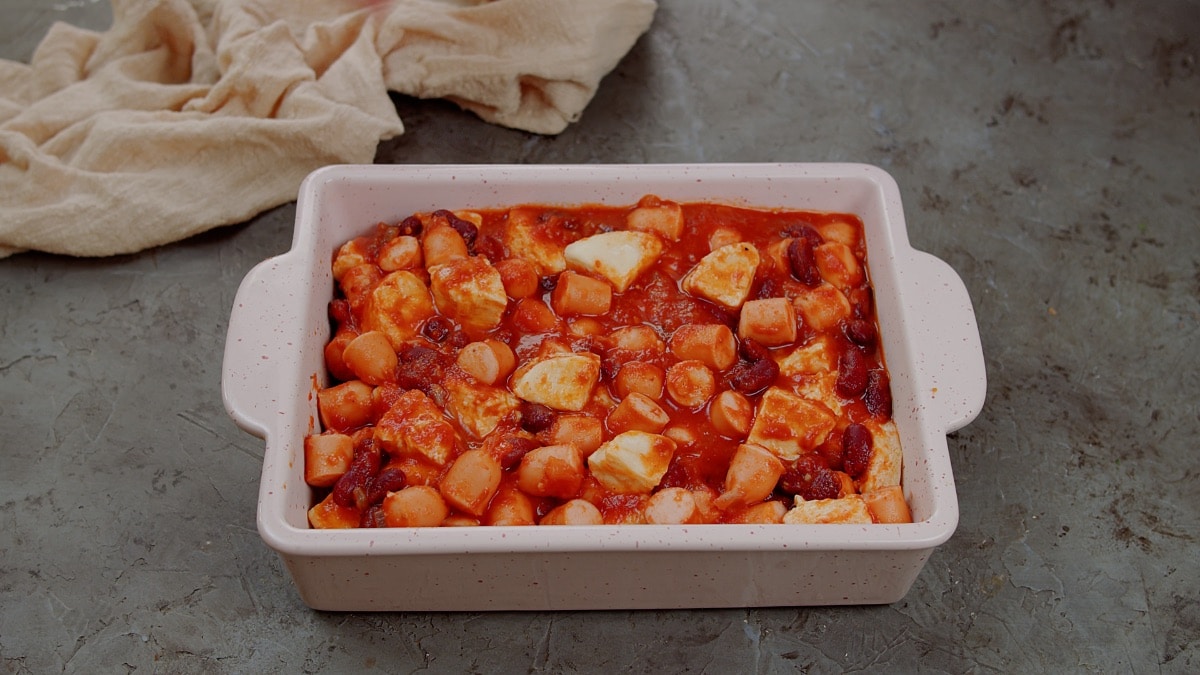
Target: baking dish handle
[(947, 337), (252, 368)]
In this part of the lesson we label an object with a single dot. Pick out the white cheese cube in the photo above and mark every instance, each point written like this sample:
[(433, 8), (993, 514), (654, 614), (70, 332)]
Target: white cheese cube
[(562, 381), (477, 407), (397, 307), (632, 462), (617, 256), (788, 425), (537, 242), (414, 426), (469, 291), (724, 276), (814, 358), (850, 509), (884, 467)]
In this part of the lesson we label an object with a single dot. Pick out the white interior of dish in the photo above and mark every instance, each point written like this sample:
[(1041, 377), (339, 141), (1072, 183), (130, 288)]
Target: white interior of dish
[(338, 203)]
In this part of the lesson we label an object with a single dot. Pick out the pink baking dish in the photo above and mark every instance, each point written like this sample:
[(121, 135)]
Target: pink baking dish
[(273, 365)]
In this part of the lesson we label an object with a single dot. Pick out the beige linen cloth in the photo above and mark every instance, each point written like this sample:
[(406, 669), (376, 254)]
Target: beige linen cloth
[(190, 114)]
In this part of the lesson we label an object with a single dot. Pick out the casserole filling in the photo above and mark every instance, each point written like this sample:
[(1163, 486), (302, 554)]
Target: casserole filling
[(658, 363)]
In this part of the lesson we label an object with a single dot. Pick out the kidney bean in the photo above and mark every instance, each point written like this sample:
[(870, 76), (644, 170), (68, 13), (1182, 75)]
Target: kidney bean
[(388, 480), (803, 261), (856, 449), (535, 417), (803, 231), (410, 226), (751, 378), (352, 488), (339, 311), (490, 248), (677, 475), (373, 517), (878, 395), (852, 373), (458, 339), (420, 366), (861, 302), (752, 351), (466, 229), (861, 331), (769, 289), (810, 478), (437, 328), (512, 448)]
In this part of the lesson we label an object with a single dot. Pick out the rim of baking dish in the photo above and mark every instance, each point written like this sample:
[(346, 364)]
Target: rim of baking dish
[(931, 336)]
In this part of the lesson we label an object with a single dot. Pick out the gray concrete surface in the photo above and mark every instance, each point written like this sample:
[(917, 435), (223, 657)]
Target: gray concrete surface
[(1047, 150)]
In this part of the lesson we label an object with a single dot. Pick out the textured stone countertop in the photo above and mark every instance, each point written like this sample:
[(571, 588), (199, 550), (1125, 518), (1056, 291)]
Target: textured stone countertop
[(1049, 151)]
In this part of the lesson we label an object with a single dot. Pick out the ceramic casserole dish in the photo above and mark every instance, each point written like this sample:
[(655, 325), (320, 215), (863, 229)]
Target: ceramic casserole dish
[(273, 366)]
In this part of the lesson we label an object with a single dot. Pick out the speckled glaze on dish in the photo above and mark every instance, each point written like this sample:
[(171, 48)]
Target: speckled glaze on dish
[(274, 363)]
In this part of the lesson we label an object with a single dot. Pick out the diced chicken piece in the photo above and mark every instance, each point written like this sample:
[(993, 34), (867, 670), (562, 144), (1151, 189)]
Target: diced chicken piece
[(822, 307), (617, 256), (838, 264), (789, 425), (770, 322), (414, 426), (724, 276), (397, 306), (469, 291), (560, 381), (660, 217), (632, 462), (535, 241), (885, 466), (477, 407), (852, 510)]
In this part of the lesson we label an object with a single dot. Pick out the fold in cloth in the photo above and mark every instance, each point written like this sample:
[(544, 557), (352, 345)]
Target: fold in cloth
[(185, 116)]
